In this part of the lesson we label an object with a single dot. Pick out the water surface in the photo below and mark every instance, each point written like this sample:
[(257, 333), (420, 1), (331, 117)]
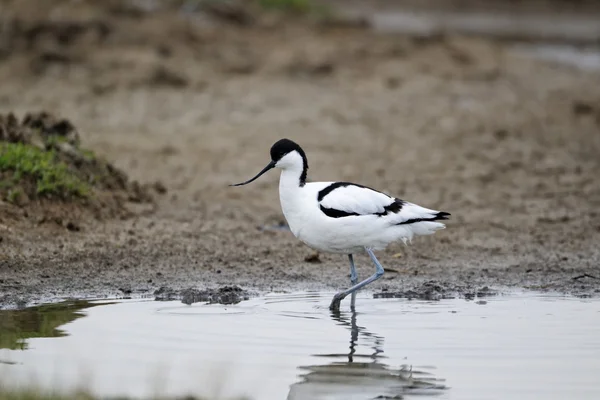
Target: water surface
[(291, 346)]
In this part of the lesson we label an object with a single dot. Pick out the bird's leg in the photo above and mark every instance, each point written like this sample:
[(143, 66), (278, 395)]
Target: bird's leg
[(353, 280), (335, 303), (353, 274)]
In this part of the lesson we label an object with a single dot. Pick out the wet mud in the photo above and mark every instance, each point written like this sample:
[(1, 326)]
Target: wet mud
[(194, 99), (433, 291), (222, 295)]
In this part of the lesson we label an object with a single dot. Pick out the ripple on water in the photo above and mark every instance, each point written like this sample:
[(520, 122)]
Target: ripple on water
[(292, 346)]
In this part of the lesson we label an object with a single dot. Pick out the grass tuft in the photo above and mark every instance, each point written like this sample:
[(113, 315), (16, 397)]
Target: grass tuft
[(52, 177), (302, 7), (36, 394), (299, 6)]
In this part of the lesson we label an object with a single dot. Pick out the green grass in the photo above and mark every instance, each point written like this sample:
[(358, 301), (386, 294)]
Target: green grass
[(55, 139), (13, 195), (51, 176), (34, 394), (88, 154), (299, 6), (295, 6)]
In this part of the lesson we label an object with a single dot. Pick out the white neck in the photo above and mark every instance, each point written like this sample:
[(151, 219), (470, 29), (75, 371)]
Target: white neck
[(291, 197), (290, 179), (292, 168)]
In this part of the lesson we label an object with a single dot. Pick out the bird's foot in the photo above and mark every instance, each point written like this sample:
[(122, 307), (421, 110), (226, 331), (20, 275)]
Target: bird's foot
[(335, 302)]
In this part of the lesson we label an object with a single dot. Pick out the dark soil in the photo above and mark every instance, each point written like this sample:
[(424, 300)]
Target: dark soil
[(509, 145), (433, 290)]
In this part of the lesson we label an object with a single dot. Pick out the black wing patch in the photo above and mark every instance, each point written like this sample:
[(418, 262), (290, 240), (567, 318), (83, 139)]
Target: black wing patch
[(439, 216), (333, 186), (393, 208), (333, 213)]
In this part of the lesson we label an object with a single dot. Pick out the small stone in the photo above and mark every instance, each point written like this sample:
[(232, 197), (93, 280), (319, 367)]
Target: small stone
[(313, 258), (159, 187), (581, 108), (71, 226)]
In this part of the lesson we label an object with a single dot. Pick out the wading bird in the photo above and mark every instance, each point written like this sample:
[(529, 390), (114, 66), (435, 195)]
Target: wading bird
[(344, 217)]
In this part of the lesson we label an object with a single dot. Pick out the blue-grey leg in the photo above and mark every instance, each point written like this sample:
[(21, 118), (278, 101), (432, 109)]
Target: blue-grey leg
[(335, 303), (353, 280), (353, 274)]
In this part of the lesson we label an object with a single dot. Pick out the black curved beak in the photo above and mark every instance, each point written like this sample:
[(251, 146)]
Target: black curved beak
[(265, 169)]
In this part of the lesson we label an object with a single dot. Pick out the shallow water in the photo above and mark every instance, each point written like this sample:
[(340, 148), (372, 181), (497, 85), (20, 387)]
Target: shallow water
[(587, 59), (564, 27), (291, 346)]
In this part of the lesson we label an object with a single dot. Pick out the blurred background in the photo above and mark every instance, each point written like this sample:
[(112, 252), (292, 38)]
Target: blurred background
[(487, 109), (134, 116)]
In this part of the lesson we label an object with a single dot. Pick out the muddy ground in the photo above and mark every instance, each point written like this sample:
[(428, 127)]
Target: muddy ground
[(507, 144)]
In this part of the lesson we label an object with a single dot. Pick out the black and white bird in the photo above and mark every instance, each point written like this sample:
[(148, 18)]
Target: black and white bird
[(344, 217)]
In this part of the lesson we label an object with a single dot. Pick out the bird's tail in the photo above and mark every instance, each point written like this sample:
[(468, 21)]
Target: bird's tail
[(421, 220)]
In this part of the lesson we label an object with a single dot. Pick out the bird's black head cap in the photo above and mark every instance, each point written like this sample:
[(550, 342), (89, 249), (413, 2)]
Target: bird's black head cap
[(278, 151), (286, 146)]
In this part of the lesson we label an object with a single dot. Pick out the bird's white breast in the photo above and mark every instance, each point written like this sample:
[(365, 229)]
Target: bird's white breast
[(306, 220), (300, 207)]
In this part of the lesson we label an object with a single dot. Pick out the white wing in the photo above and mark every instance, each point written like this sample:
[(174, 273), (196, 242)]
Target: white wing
[(346, 199)]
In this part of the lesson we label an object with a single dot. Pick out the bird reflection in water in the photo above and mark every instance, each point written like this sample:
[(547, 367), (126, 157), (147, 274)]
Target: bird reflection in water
[(361, 376)]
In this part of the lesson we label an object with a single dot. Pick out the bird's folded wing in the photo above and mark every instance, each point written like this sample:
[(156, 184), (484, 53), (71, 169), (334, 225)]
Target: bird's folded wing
[(342, 199)]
